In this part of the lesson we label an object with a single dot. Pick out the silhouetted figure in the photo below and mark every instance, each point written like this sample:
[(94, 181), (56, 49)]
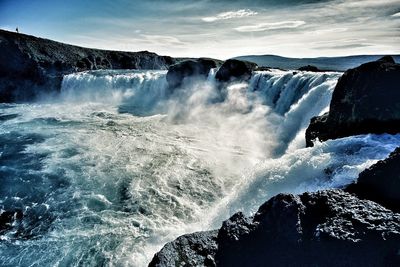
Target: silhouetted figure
[(17, 30)]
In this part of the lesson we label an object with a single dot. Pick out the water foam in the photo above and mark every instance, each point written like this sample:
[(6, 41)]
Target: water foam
[(119, 165)]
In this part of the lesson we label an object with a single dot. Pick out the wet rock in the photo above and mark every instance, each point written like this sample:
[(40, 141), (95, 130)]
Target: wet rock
[(8, 219), (198, 69), (326, 228), (366, 99), (381, 182), (197, 249), (309, 68), (235, 70), (263, 68)]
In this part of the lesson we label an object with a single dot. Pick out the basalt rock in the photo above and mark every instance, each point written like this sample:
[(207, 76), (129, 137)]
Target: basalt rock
[(8, 219), (326, 228), (197, 249), (30, 66), (189, 69), (309, 68), (381, 182), (235, 70), (366, 100)]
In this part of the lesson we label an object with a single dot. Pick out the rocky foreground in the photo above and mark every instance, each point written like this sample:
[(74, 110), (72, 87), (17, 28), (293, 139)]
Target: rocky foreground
[(355, 226), (325, 228), (30, 66)]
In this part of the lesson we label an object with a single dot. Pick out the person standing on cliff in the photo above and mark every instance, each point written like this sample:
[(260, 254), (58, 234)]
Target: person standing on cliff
[(17, 30)]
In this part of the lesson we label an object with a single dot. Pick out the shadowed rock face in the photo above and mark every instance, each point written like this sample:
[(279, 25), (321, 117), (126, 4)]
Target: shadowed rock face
[(8, 219), (381, 182), (189, 69), (235, 70), (197, 249), (326, 228), (30, 66), (309, 68), (366, 99)]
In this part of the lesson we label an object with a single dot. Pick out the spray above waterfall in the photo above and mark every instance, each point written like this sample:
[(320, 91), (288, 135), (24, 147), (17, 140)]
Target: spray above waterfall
[(272, 102)]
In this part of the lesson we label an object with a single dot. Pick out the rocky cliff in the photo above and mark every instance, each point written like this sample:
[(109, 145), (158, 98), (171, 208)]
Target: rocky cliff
[(30, 66), (366, 99)]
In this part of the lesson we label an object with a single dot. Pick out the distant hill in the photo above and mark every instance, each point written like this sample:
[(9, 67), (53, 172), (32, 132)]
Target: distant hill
[(323, 63)]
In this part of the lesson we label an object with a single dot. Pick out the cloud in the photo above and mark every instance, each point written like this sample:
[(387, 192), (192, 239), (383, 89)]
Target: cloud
[(329, 31), (230, 15), (271, 26), (344, 46), (162, 39), (396, 15)]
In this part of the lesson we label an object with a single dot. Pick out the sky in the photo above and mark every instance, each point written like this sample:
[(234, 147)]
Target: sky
[(214, 28)]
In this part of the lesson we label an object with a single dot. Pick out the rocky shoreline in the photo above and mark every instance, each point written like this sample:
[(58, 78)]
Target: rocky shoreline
[(355, 226), (325, 228)]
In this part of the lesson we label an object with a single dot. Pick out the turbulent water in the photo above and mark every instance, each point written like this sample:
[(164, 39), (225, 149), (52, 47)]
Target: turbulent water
[(117, 165)]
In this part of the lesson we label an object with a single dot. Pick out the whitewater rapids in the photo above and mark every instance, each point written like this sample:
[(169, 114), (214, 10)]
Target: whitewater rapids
[(117, 165)]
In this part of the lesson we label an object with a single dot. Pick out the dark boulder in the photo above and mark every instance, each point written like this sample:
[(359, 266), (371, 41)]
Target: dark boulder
[(318, 128), (190, 68), (197, 249), (366, 100), (381, 182), (8, 219), (235, 70), (309, 68), (263, 68), (326, 228)]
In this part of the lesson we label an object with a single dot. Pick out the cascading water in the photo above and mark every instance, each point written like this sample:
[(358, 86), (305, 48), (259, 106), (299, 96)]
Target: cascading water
[(118, 165)]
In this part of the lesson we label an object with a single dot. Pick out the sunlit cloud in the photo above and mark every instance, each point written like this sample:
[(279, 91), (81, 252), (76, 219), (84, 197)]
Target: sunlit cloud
[(270, 26), (230, 15), (329, 31), (162, 39)]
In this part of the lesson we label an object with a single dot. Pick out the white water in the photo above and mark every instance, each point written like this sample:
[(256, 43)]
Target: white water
[(117, 165)]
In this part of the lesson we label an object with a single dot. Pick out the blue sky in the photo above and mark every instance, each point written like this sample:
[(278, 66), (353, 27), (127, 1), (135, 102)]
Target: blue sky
[(214, 28)]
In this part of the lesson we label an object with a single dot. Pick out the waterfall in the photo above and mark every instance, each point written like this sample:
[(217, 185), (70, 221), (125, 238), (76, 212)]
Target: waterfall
[(118, 164)]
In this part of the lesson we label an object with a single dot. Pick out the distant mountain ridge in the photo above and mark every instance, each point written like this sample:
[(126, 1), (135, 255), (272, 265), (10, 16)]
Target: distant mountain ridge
[(323, 63)]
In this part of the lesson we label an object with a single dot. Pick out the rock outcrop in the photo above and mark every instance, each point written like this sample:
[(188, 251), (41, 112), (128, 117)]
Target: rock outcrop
[(31, 65), (8, 219), (197, 249), (309, 68), (366, 99), (326, 228), (381, 182), (235, 70), (197, 69)]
